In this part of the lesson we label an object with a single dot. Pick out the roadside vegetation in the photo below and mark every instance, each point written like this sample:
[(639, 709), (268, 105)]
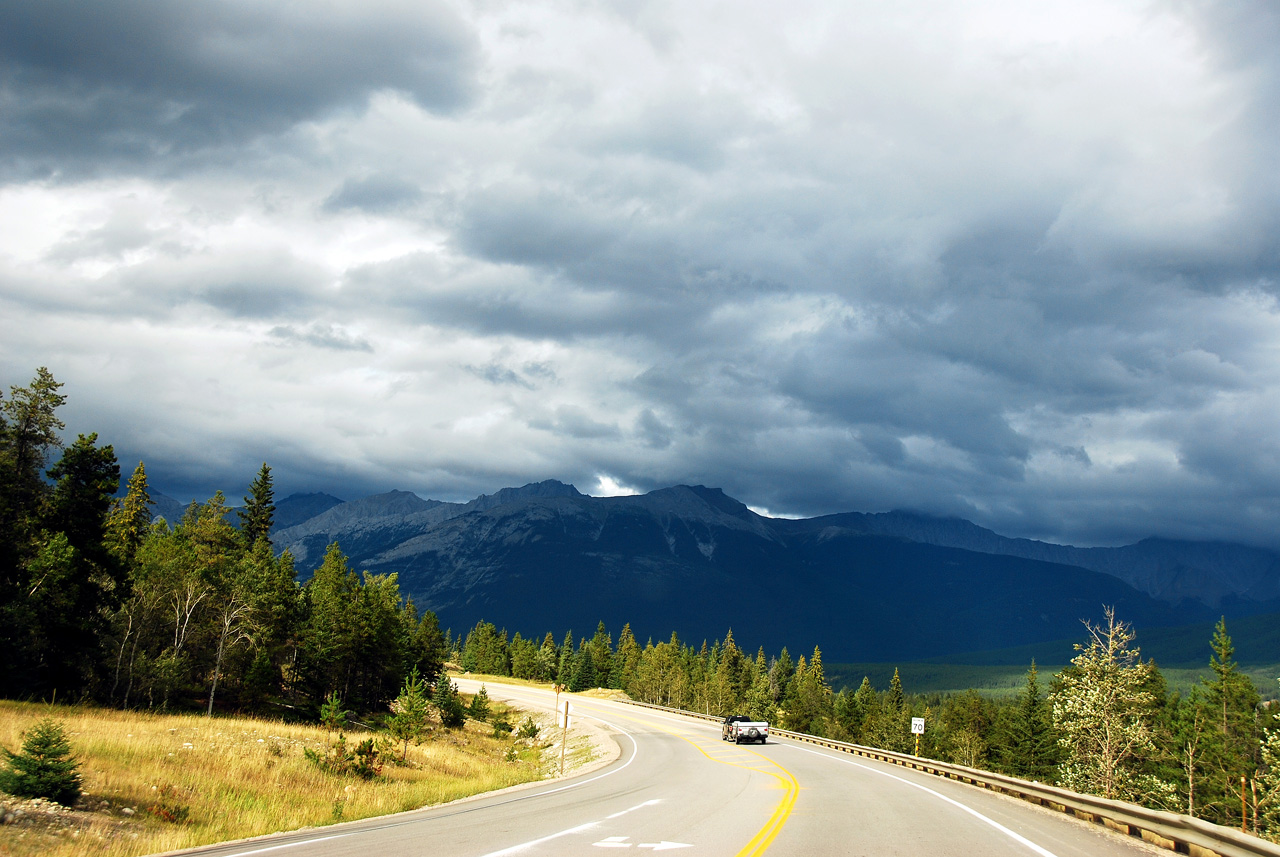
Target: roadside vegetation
[(1106, 724), (102, 604), (157, 782)]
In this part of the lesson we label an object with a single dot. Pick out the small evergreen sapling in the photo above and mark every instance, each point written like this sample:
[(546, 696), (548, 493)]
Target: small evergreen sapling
[(45, 767), (452, 713), (480, 706), (408, 721)]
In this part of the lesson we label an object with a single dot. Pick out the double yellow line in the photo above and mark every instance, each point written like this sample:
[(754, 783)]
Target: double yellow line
[(759, 843)]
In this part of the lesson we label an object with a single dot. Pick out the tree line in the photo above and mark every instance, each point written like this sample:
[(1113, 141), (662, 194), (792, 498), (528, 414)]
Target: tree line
[(1107, 724), (100, 602)]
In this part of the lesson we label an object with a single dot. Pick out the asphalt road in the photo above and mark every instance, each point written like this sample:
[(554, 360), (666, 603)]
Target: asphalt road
[(677, 787)]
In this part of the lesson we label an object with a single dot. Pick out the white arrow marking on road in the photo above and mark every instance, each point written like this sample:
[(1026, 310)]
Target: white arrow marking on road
[(664, 845), (613, 842)]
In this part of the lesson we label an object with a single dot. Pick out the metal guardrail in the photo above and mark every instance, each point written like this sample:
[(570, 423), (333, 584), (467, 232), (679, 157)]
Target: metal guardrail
[(1181, 833)]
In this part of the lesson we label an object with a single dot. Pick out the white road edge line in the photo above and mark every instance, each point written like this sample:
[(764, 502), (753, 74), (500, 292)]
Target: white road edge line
[(635, 751), (291, 844), (1043, 852)]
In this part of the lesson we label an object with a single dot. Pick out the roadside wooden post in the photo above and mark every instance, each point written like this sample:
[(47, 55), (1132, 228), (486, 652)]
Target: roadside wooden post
[(564, 736)]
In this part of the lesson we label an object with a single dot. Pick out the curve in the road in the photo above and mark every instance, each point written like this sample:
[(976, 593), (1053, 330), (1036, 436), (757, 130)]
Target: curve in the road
[(1016, 837), (664, 793), (790, 787)]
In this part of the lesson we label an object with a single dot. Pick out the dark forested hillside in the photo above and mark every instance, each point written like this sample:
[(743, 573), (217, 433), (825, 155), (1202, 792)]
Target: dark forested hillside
[(693, 560)]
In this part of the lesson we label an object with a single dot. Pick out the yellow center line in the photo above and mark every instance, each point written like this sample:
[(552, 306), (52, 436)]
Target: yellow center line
[(759, 843)]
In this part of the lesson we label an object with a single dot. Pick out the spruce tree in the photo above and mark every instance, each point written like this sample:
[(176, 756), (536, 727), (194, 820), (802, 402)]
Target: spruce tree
[(564, 671), (28, 433), (1030, 749), (259, 510), (70, 624), (602, 654), (548, 658), (479, 708), (625, 660), (445, 699), (1231, 732), (45, 768), (584, 672), (408, 721), (896, 699), (130, 518)]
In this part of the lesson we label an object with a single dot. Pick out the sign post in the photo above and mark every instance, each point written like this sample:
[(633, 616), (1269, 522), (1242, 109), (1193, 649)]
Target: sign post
[(917, 729), (564, 736)]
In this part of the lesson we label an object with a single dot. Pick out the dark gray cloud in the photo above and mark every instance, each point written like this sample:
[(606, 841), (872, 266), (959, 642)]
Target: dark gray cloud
[(93, 85), (1011, 262)]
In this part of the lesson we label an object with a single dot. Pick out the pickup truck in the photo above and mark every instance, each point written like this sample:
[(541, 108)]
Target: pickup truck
[(738, 728)]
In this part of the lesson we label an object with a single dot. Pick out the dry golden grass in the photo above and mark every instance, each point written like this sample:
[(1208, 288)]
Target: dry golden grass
[(194, 780)]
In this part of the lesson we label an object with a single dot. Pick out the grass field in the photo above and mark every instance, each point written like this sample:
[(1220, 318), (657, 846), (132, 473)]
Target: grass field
[(162, 782)]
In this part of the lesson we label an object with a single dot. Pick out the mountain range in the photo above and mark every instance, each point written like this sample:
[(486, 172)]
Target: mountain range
[(865, 587)]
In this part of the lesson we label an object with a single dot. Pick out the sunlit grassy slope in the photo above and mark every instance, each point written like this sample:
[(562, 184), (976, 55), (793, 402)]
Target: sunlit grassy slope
[(194, 780)]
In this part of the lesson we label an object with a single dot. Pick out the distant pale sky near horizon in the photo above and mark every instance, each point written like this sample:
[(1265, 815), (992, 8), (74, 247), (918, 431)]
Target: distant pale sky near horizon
[(1011, 261)]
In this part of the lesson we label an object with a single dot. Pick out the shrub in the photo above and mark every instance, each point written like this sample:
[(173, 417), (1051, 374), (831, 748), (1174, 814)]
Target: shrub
[(529, 729), (480, 706), (45, 767), (452, 713)]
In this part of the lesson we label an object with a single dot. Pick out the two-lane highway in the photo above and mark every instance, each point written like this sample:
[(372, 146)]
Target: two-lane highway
[(677, 787)]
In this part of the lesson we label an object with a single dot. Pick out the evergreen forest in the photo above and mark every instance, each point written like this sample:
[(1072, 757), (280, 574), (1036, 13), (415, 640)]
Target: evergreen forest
[(100, 603)]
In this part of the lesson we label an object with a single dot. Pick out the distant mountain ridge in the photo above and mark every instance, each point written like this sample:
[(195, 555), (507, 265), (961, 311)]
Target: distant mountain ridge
[(1170, 570), (691, 559)]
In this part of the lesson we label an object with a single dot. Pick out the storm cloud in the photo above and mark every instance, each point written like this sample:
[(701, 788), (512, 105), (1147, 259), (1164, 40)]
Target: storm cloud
[(1012, 262)]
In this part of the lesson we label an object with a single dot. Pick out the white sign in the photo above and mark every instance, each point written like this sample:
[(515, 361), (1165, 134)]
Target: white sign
[(917, 725)]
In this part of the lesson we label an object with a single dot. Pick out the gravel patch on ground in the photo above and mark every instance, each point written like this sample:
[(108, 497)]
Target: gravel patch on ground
[(30, 826)]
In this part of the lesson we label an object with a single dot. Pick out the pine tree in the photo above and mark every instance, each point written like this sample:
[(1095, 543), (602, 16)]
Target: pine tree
[(759, 699), (625, 660), (1230, 734), (29, 430), (427, 645), (811, 705), (602, 654), (548, 658), (1030, 749), (445, 699), (45, 768), (130, 519), (70, 624), (780, 675), (851, 709), (258, 513), (584, 671), (328, 637), (564, 670), (479, 708), (408, 721), (896, 699)]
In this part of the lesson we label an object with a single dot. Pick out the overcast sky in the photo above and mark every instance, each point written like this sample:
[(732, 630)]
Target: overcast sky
[(1011, 261)]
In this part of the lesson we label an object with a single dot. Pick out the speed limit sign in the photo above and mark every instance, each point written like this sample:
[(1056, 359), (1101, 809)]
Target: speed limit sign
[(917, 725)]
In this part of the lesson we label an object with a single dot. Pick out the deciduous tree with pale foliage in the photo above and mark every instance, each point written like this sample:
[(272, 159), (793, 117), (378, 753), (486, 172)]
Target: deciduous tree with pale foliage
[(1103, 710)]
